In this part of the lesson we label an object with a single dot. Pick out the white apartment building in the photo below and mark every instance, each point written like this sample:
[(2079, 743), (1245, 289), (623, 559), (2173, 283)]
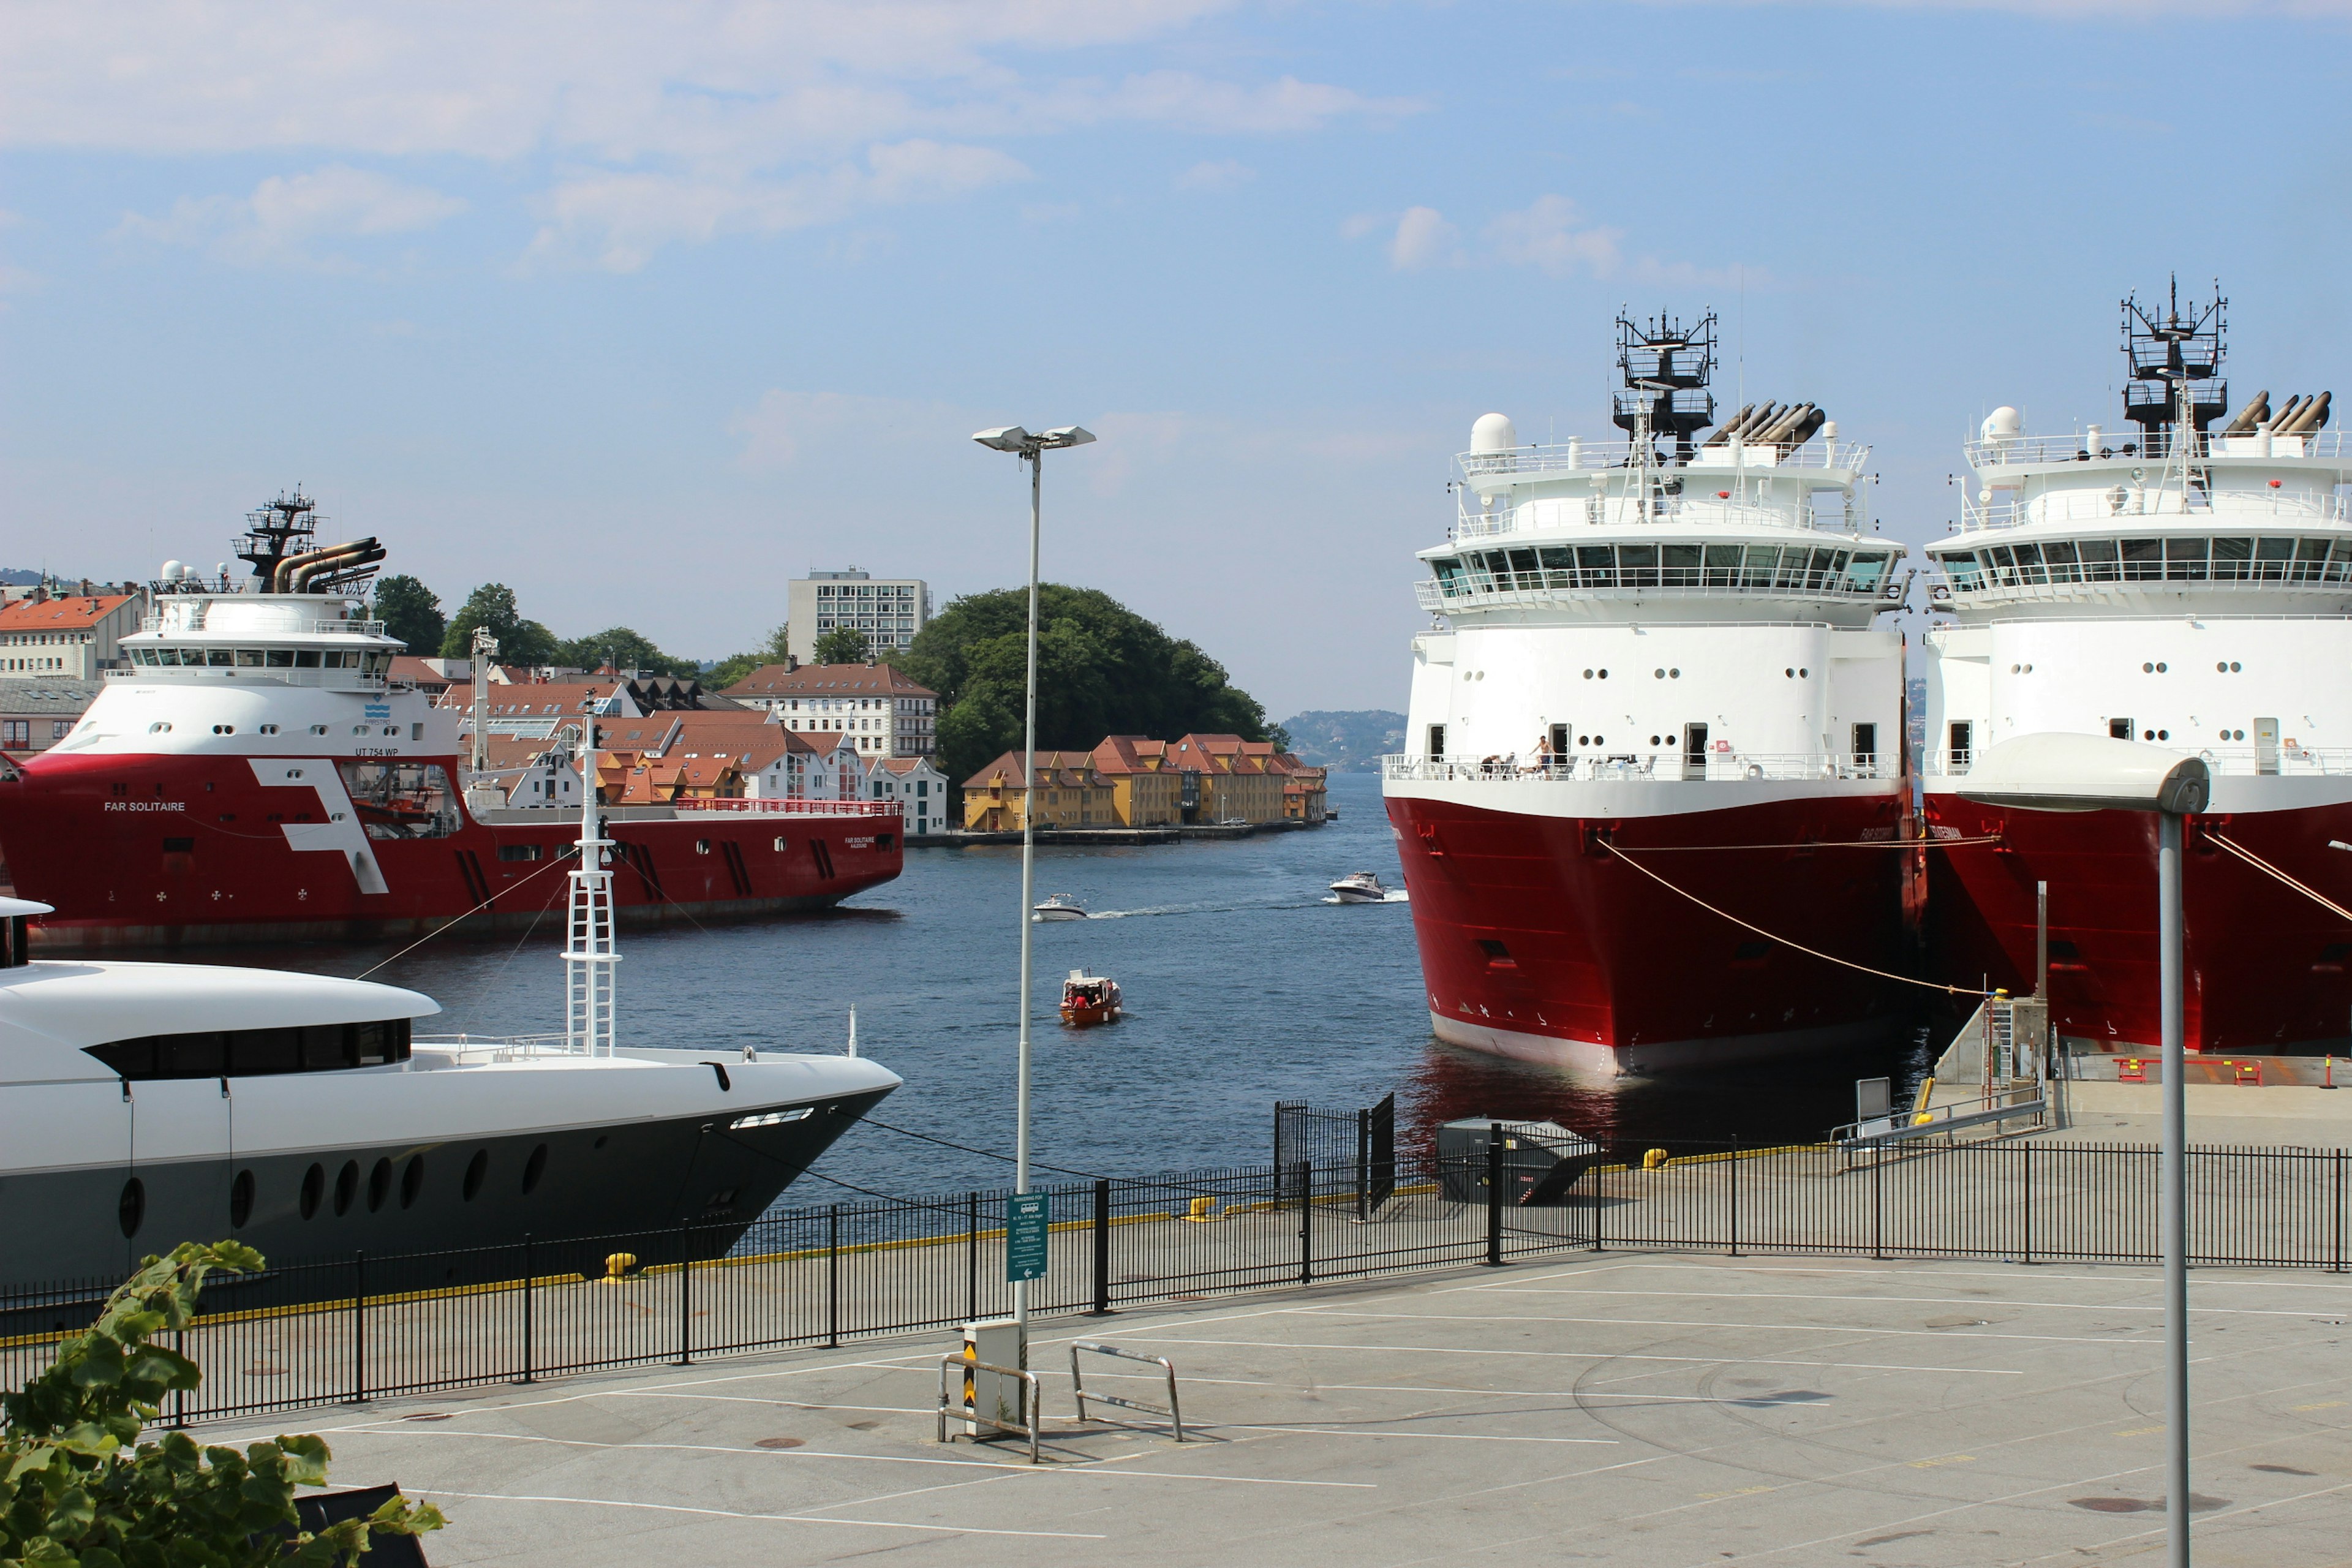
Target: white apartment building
[(919, 787), (883, 713), (44, 635), (889, 610)]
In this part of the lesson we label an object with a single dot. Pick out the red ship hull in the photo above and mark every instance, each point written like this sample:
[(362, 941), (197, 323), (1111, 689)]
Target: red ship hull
[(2266, 967), (161, 850), (1537, 944)]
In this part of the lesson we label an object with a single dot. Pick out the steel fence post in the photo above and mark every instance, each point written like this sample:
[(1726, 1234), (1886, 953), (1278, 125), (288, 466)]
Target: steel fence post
[(1735, 1197), (529, 1294), (1877, 1205), (685, 1295), (358, 1326), (1363, 1165), (972, 1257), (1305, 1223), (179, 1396), (1494, 1194), (2025, 1153), (833, 1278), (1102, 1247), (2337, 1248)]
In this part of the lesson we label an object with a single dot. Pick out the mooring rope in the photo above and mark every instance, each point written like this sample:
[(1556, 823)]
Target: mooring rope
[(1827, 844), (2259, 864), (1801, 947), (470, 914)]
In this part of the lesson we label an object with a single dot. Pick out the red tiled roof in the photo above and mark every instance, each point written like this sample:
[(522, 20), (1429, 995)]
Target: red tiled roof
[(75, 612), (827, 680), (1055, 769)]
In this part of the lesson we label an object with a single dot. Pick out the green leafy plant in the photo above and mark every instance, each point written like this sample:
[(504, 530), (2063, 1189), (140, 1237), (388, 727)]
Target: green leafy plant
[(78, 1488), (843, 645)]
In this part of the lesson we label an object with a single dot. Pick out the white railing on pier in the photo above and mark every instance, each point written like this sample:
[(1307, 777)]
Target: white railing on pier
[(2001, 451), (1664, 766), (2116, 505), (2222, 762), (1578, 456)]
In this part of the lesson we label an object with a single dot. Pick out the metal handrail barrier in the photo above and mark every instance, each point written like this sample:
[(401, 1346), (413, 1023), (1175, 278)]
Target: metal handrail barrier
[(1548, 586), (1984, 1110), (1568, 456), (2225, 762), (973, 1414), (1174, 1412), (769, 805), (1661, 766), (2003, 450), (2115, 503)]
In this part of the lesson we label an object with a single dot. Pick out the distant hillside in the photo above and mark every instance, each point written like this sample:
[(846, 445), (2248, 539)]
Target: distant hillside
[(1345, 742), (19, 577)]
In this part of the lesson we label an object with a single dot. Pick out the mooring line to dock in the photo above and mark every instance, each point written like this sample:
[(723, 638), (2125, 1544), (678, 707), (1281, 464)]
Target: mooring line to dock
[(470, 914), (1827, 844), (990, 1154), (1801, 947), (2259, 864)]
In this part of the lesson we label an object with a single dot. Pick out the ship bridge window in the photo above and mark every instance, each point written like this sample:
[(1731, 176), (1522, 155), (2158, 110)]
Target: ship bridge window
[(1449, 580), (255, 1053), (1865, 570), (1637, 565), (1756, 571), (306, 659), (2185, 558), (278, 658), (1678, 565), (2143, 559), (215, 657), (1598, 564), (1722, 566), (248, 659)]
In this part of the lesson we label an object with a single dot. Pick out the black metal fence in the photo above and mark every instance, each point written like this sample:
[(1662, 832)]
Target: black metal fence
[(353, 1328)]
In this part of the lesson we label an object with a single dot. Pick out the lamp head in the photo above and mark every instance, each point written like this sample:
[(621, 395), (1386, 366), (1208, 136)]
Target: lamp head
[(1009, 438), (2088, 772), (1066, 436)]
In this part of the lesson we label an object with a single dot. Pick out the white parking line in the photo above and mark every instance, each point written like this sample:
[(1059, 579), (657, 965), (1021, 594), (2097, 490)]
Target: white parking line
[(1440, 1437), (1767, 1328), (1591, 1355), (1910, 1300), (776, 1517)]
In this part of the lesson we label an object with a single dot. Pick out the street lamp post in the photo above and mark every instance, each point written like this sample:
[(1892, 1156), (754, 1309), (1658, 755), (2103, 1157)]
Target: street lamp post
[(2094, 773), (1031, 449)]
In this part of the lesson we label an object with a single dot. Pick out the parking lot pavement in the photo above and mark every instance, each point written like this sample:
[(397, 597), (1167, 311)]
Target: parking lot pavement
[(1669, 1411)]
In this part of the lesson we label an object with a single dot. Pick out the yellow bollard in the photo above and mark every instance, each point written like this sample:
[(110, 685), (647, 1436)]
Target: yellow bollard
[(1653, 1159), (616, 1267), (1204, 1211)]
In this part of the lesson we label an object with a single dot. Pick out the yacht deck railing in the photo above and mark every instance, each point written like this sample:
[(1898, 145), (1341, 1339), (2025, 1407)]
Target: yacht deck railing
[(1658, 767)]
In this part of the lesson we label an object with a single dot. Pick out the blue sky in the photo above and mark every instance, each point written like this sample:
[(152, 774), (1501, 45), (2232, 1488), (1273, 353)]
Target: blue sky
[(645, 310)]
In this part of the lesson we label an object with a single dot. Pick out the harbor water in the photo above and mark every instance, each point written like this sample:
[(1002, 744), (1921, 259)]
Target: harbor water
[(1244, 985)]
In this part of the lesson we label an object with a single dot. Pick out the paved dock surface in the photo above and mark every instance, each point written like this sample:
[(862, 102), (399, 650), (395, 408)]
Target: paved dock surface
[(1622, 1408)]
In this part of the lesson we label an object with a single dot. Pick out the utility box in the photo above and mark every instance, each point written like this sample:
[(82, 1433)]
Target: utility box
[(997, 1342), (1541, 1159)]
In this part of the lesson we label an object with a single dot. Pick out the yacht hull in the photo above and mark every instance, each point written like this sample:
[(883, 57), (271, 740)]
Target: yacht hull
[(1540, 944), (142, 851), (2265, 968)]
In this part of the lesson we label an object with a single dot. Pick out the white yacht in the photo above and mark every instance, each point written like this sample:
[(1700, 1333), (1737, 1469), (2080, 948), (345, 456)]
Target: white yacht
[(1360, 888), (147, 1104), (1058, 907)]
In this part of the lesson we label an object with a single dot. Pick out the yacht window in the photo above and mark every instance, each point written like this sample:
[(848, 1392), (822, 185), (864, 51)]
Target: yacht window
[(2184, 559), (1722, 566), (1761, 560), (2143, 559), (1523, 560), (2271, 556), (2233, 559), (252, 1053), (278, 658), (2339, 563), (248, 659), (2310, 558), (1679, 563), (307, 658), (1599, 563), (217, 657), (1637, 565)]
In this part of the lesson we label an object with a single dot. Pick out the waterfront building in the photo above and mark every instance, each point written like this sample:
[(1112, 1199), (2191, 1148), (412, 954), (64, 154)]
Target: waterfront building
[(1069, 793), (919, 787), (35, 714), (889, 610), (886, 712), (75, 636), (1303, 798), (1235, 780), (1145, 791)]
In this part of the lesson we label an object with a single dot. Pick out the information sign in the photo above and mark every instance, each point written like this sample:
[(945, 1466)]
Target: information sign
[(1028, 1219)]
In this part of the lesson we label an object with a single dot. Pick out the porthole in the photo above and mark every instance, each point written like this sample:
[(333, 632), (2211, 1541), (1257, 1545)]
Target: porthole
[(782, 844), (2029, 669), (1465, 673), (412, 1181), (1588, 675), (379, 1185), (2159, 667), (702, 847), (2147, 669), (2148, 734), (533, 1169), (1804, 674), (2233, 666), (130, 1208), (1653, 739), (1790, 672), (1604, 675), (2017, 669), (1481, 675), (1672, 674), (1600, 740), (2223, 666), (240, 1200), (1661, 675), (314, 1187), (1584, 740), (347, 1186), (476, 1169), (2164, 734)]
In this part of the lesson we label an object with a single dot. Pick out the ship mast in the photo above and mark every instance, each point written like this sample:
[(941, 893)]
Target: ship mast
[(2175, 361), (1667, 367), (588, 949)]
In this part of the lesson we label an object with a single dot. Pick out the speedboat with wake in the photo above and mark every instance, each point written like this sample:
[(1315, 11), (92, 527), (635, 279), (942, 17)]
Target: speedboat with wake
[(1059, 907), (1360, 888), (148, 1104)]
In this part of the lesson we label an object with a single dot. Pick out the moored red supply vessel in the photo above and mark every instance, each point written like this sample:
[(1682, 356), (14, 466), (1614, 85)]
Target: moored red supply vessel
[(1654, 690), (2186, 584), (256, 774)]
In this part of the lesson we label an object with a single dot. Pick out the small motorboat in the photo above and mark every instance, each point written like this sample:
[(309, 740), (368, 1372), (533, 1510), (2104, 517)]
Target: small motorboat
[(1059, 907), (1362, 888), (1089, 999)]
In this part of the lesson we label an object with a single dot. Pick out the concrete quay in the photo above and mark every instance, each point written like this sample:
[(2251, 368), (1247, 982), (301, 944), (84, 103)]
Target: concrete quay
[(959, 839), (1675, 1411)]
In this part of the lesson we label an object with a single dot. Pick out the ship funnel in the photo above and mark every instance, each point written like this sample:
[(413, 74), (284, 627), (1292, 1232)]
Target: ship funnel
[(2309, 414), (1494, 432), (2254, 415)]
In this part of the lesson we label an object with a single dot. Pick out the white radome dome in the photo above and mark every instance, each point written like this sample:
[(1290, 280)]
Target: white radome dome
[(2003, 422), (1494, 432), (173, 571)]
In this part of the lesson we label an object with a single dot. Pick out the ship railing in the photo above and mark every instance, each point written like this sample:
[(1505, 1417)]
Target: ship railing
[(790, 806), (192, 621), (1626, 512), (2116, 505), (473, 1050), (1576, 454), (2005, 568), (1727, 766), (2287, 760), (1533, 589), (2003, 450)]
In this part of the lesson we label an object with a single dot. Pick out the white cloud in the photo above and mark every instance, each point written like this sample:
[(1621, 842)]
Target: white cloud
[(618, 219), (1222, 174), (286, 214), (1547, 235), (1422, 239), (849, 428)]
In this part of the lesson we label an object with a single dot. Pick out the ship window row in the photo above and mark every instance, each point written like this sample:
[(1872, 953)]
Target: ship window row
[(2281, 559), (255, 1053), (262, 659), (1794, 568)]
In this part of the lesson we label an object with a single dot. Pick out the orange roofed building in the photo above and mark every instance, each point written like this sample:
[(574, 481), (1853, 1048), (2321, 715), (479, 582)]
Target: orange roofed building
[(1128, 781), (74, 636), (1070, 793)]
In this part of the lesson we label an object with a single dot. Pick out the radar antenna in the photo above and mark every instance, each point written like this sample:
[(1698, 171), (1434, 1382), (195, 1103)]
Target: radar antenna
[(281, 541), (272, 531), (1667, 367), (2176, 365)]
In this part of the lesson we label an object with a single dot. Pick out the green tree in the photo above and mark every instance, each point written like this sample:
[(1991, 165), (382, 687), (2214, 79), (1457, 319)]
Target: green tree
[(1102, 669), (843, 645), (411, 612), (79, 1489), (735, 666), (623, 649), (493, 606)]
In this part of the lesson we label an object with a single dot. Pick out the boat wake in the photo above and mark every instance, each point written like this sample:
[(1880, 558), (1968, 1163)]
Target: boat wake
[(1391, 896)]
